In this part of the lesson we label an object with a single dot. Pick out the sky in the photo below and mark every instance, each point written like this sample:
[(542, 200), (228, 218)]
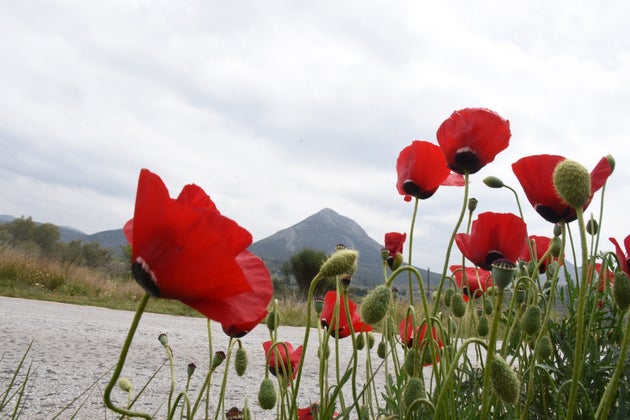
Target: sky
[(278, 109)]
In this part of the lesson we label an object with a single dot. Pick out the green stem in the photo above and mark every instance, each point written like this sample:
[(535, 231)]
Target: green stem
[(121, 362), (485, 398), (410, 248)]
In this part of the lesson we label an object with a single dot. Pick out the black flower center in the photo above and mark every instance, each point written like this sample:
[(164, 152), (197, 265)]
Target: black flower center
[(466, 160), (144, 276), (410, 187)]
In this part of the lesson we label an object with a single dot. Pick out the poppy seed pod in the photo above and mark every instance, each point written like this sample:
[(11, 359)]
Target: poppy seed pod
[(531, 320), (375, 305), (503, 272), (240, 361), (621, 290), (218, 358), (267, 394), (413, 391), (318, 305), (472, 204), (504, 381), (190, 370), (458, 306), (360, 342), (493, 182), (340, 262), (163, 339), (572, 182)]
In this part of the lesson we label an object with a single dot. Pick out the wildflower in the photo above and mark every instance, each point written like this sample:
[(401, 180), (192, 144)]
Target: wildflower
[(406, 328), (477, 280), (535, 173), (471, 138), (540, 245), (311, 412), (342, 328), (623, 257), (185, 249), (421, 169), (283, 360), (394, 245), (493, 236)]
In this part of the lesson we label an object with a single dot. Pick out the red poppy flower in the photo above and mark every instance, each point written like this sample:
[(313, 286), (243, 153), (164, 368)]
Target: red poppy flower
[(185, 249), (540, 244), (605, 279), (394, 242), (471, 138), (283, 359), (624, 258), (311, 412), (342, 328), (477, 280), (407, 335), (535, 173), (493, 236), (421, 169)]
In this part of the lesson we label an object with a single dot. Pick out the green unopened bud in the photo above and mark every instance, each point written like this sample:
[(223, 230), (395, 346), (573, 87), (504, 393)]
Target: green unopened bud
[(544, 348), (483, 327), (472, 204), (219, 357), (267, 394), (592, 227), (502, 272), (272, 320), (340, 262), (611, 162), (504, 381), (163, 339), (493, 182), (396, 261), (572, 182), (531, 320), (381, 350), (413, 392), (448, 296), (557, 230), (488, 306), (370, 340), (360, 341), (125, 384), (556, 247), (413, 362), (621, 290), (458, 306), (240, 361), (190, 370), (375, 305), (384, 254)]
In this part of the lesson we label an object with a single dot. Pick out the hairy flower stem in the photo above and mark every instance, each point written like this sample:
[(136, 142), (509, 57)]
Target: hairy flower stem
[(492, 344), (410, 247), (579, 341), (121, 362), (447, 258)]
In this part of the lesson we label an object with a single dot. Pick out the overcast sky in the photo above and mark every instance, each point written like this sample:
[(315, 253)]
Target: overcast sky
[(281, 108)]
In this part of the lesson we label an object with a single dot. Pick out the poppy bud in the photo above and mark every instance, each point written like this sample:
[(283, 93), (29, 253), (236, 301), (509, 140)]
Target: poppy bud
[(557, 230), (504, 381), (340, 262), (381, 349), (125, 384), (472, 204), (272, 320), (240, 361), (413, 362), (488, 307), (493, 182), (458, 306), (218, 358), (413, 391), (360, 341), (556, 247), (483, 327), (375, 305), (502, 272), (448, 296), (267, 394), (544, 348), (531, 320), (621, 290), (572, 182), (384, 254), (611, 162), (395, 261), (370, 340), (592, 227), (190, 369)]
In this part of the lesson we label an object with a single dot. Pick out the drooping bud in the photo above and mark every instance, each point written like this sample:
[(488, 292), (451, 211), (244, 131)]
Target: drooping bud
[(621, 290), (413, 362), (375, 305), (448, 296), (240, 361), (521, 294), (544, 348), (219, 357), (413, 391), (340, 262), (384, 254), (592, 227), (572, 182), (370, 340), (556, 247), (381, 350), (531, 320), (493, 182), (502, 272), (267, 394), (483, 327), (458, 306), (488, 307), (557, 230), (504, 381), (125, 384), (360, 341), (472, 204)]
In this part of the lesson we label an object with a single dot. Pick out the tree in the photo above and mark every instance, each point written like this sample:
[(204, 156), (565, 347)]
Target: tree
[(304, 266)]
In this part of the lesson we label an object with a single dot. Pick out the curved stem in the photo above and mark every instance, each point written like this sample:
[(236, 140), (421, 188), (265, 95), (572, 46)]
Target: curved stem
[(485, 398), (121, 362)]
